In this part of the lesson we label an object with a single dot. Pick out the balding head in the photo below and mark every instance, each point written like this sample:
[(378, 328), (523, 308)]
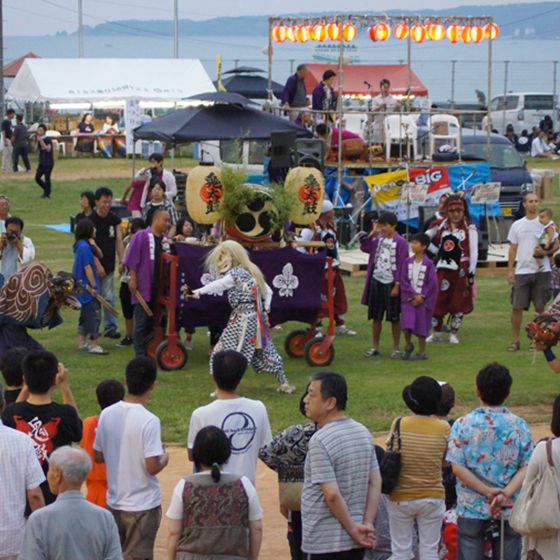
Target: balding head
[(68, 469)]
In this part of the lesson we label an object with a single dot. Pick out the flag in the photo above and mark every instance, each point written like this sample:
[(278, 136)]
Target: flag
[(219, 69)]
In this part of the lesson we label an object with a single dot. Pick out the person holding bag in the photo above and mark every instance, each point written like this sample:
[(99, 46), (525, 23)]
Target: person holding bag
[(418, 495), (539, 495)]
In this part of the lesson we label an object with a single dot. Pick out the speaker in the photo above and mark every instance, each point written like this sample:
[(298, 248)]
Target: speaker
[(281, 144), (310, 152)]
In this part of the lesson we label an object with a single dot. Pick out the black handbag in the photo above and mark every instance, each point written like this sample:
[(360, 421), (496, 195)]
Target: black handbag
[(391, 464)]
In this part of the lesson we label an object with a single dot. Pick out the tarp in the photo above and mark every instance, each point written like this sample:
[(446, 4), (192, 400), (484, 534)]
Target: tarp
[(253, 87), (218, 122), (109, 79), (292, 276), (356, 74)]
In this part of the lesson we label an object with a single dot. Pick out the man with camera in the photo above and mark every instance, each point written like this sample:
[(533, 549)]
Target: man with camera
[(16, 250)]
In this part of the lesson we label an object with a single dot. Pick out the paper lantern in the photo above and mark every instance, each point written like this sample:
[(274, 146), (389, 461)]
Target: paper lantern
[(491, 31), (333, 31), (476, 33), (418, 33), (401, 30), (453, 33), (308, 184), (279, 33), (436, 32), (291, 33), (204, 194), (382, 31), (302, 33), (318, 33), (349, 32), (466, 34), (371, 33)]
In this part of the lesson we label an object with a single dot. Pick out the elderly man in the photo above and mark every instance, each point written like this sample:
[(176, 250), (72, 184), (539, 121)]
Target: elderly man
[(71, 528), (20, 477), (294, 96)]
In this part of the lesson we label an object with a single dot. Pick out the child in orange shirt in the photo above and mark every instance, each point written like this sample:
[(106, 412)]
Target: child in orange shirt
[(108, 392)]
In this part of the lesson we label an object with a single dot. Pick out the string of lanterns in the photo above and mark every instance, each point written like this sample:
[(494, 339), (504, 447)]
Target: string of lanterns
[(419, 32)]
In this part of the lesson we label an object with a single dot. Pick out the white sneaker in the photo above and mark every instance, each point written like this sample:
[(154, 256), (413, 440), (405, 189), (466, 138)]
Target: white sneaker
[(435, 337), (97, 350), (453, 339), (343, 329)]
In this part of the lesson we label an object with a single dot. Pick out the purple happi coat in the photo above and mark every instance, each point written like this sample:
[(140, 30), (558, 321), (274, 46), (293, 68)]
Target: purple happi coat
[(418, 319), (140, 257), (369, 245)]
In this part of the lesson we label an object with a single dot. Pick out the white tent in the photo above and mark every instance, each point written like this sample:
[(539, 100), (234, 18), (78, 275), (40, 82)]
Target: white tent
[(90, 80)]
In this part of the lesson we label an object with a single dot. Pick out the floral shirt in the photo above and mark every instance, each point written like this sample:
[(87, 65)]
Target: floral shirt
[(493, 443)]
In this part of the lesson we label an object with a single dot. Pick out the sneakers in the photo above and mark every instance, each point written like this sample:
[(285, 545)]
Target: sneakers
[(453, 339), (343, 329), (112, 334), (396, 355), (97, 350), (372, 352), (408, 352), (84, 346), (126, 341), (435, 337), (285, 388)]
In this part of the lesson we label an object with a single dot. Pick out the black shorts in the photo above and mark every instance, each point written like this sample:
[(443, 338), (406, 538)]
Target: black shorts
[(381, 303), (126, 303)]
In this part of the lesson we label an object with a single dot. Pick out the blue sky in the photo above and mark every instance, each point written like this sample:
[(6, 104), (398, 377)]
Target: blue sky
[(42, 17)]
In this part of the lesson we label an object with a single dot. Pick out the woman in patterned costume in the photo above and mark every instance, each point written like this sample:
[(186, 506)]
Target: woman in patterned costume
[(249, 296)]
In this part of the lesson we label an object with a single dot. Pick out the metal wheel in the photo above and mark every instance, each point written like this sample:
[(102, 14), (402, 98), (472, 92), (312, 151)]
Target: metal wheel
[(295, 343), (313, 355), (169, 360)]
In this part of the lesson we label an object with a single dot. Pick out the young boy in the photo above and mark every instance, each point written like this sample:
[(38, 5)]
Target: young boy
[(548, 235), (159, 202), (419, 289), (108, 392), (387, 252), (12, 373)]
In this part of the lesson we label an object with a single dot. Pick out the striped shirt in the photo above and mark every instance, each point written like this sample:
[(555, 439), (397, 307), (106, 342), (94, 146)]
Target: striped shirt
[(341, 451), (424, 444)]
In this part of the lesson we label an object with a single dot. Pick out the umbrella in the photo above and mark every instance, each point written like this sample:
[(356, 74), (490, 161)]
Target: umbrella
[(218, 122), (253, 87), (229, 98), (244, 70)]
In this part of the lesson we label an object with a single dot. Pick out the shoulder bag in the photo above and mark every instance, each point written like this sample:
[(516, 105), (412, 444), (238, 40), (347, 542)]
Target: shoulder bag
[(391, 465)]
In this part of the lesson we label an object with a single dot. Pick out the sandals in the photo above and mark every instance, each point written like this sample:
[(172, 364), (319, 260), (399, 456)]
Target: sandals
[(514, 347)]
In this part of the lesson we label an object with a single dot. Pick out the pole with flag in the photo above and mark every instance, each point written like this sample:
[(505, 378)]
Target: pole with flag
[(219, 71)]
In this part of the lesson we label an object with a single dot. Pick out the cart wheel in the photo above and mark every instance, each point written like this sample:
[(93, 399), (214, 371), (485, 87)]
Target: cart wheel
[(295, 343), (169, 360), (314, 356)]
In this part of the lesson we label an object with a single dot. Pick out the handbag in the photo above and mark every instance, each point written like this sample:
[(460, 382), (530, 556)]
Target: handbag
[(536, 513), (290, 495), (391, 465)]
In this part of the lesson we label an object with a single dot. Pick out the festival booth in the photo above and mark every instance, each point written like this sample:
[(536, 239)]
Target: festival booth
[(83, 84)]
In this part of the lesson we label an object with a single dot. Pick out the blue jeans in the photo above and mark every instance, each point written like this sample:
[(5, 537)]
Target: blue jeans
[(110, 322), (143, 326), (90, 317), (471, 534)]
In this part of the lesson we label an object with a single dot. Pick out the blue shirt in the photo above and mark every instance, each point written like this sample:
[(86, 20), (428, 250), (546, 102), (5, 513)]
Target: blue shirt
[(83, 255), (493, 443)]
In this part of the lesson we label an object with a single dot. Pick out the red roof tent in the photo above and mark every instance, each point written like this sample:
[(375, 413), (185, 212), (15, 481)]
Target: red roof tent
[(356, 74), (12, 69)]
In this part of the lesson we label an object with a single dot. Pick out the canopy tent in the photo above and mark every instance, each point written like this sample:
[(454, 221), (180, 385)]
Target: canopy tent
[(355, 76), (74, 80), (218, 122), (11, 70), (223, 97)]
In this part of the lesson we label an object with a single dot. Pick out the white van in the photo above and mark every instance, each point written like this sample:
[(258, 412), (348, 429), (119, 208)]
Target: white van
[(522, 110)]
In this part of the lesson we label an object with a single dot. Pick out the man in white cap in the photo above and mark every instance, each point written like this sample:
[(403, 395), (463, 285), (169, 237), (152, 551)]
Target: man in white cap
[(324, 229)]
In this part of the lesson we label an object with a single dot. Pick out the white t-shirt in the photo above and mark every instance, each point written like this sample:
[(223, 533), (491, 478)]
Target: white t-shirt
[(416, 266), (245, 422), (383, 269), (175, 510), (128, 434), (525, 234)]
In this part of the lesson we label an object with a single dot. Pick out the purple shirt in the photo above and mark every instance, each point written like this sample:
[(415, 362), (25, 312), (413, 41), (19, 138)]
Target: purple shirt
[(346, 135), (140, 258), (290, 91)]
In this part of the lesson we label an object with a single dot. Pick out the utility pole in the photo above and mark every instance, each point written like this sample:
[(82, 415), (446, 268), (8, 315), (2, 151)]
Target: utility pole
[(80, 29), (176, 28), (2, 107)]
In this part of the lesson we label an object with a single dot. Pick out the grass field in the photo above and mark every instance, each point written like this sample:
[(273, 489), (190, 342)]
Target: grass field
[(375, 384)]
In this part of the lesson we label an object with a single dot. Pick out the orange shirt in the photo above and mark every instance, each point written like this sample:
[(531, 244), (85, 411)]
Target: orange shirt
[(97, 479)]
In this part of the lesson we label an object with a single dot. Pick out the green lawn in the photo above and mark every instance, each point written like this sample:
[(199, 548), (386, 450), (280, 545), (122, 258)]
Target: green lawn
[(375, 385)]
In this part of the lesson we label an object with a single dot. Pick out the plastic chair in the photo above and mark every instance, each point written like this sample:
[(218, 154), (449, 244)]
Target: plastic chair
[(399, 129), (444, 127), (55, 135)]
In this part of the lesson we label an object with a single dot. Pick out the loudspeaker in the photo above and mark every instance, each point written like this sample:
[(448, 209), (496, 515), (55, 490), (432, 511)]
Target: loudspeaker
[(281, 144), (310, 152)]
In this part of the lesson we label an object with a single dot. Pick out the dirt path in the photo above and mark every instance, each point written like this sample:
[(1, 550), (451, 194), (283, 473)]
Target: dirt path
[(275, 545)]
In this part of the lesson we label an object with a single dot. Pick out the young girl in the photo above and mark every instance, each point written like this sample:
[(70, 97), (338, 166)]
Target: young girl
[(85, 270), (249, 296), (87, 204), (159, 202)]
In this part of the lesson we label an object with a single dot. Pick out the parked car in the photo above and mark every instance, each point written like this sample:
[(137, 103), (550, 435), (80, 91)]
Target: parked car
[(470, 115), (523, 110), (506, 165)]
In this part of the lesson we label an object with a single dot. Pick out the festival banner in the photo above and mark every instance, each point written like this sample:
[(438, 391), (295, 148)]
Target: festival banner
[(294, 277)]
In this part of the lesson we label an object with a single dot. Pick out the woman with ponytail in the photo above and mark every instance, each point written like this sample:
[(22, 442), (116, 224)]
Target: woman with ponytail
[(213, 514)]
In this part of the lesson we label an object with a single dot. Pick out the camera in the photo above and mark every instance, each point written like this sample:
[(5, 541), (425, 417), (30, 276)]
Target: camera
[(11, 236)]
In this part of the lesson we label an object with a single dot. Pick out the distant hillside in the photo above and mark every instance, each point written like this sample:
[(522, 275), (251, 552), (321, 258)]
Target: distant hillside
[(528, 21)]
